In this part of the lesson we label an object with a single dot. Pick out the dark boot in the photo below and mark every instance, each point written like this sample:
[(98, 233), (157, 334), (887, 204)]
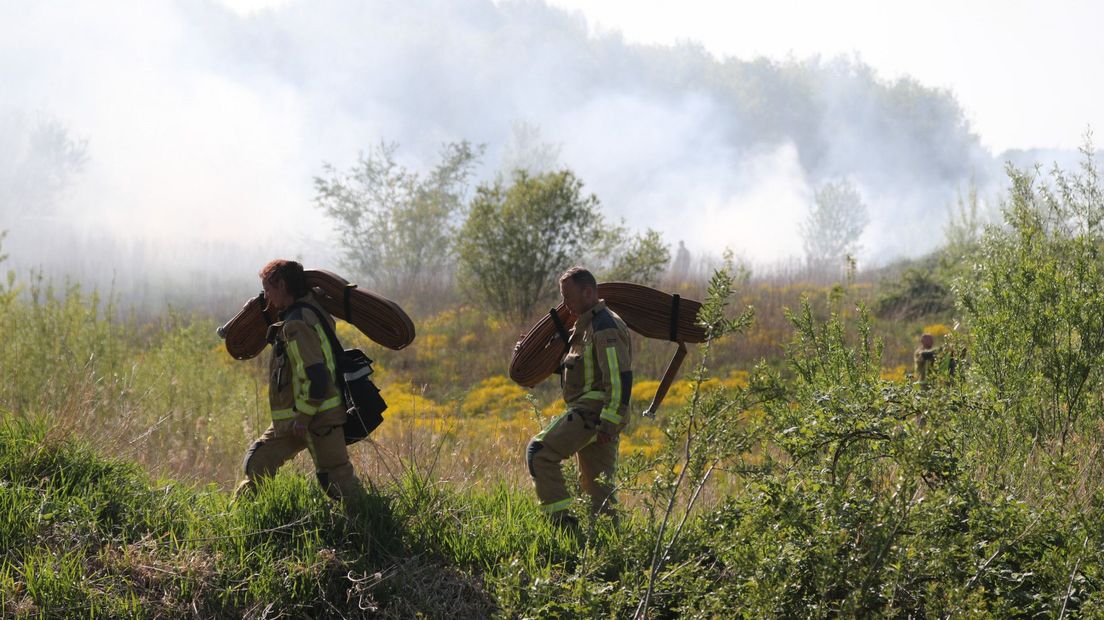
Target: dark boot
[(564, 520)]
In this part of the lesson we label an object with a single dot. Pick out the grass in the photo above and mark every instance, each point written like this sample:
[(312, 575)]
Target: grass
[(834, 486), (89, 535)]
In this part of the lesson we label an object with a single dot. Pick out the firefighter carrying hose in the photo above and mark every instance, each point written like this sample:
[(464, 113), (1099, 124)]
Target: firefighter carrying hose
[(307, 408), (596, 376)]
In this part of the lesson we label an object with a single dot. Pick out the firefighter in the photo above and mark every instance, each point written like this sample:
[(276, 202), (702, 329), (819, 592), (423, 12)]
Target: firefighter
[(306, 402), (596, 377)]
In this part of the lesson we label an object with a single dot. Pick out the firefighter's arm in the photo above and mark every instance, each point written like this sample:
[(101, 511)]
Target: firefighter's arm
[(310, 374), (614, 365)]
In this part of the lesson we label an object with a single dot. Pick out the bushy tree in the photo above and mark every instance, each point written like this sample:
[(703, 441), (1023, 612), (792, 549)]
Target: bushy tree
[(917, 293), (1035, 302), (396, 227), (836, 221), (518, 238), (639, 258)]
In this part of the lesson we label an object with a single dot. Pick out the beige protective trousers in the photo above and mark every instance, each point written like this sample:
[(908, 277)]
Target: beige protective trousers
[(324, 439), (573, 432)]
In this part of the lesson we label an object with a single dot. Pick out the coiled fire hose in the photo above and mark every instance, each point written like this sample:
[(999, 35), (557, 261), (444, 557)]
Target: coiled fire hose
[(377, 317), (645, 310)]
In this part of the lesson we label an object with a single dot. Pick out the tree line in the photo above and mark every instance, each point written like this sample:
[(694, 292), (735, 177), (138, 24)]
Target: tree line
[(502, 243)]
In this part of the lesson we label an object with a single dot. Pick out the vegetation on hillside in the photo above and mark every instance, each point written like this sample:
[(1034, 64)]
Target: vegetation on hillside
[(795, 470)]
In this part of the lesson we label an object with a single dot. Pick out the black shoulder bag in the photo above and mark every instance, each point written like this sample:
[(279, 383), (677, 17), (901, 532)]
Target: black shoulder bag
[(363, 402)]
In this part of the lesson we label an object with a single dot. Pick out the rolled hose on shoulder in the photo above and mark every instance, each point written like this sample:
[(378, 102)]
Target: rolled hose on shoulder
[(645, 310), (377, 317)]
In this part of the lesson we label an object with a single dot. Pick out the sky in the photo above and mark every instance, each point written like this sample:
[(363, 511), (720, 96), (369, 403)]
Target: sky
[(207, 120)]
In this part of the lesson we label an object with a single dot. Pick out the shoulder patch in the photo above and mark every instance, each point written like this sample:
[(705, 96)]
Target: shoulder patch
[(603, 320)]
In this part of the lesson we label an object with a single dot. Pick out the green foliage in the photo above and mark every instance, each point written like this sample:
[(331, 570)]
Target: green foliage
[(167, 393), (819, 488), (641, 258), (518, 239), (867, 508), (834, 225), (1035, 302), (919, 292), (396, 227), (708, 434)]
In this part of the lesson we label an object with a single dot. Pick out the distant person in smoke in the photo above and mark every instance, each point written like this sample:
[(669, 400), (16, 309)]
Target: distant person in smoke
[(303, 393), (680, 267)]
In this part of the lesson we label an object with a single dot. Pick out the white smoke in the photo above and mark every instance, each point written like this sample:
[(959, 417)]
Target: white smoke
[(205, 126)]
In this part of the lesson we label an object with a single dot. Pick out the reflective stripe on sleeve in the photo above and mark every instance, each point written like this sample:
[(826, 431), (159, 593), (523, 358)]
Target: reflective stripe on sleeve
[(588, 368), (327, 350), (610, 412)]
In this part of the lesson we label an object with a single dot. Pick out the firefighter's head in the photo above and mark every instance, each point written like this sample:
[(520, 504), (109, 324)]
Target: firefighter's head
[(927, 341), (579, 290), (283, 283)]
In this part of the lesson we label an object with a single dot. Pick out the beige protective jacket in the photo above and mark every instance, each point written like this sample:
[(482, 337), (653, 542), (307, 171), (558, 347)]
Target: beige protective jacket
[(597, 368), (302, 369)]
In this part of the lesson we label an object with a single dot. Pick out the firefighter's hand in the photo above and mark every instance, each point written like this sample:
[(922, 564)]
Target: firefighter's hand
[(607, 433), (299, 426), (517, 345)]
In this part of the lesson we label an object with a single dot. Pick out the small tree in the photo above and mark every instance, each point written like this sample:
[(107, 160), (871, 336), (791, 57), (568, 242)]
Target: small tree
[(396, 228), (641, 258), (834, 225), (38, 161), (517, 239)]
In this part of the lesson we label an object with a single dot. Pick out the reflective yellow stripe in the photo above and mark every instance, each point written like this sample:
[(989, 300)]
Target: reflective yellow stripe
[(540, 436), (594, 395), (327, 350), (300, 382), (588, 368), (610, 412), (555, 506), (283, 414)]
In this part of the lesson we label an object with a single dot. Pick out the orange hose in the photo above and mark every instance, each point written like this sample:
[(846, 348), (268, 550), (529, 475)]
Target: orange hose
[(645, 310), (375, 316)]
